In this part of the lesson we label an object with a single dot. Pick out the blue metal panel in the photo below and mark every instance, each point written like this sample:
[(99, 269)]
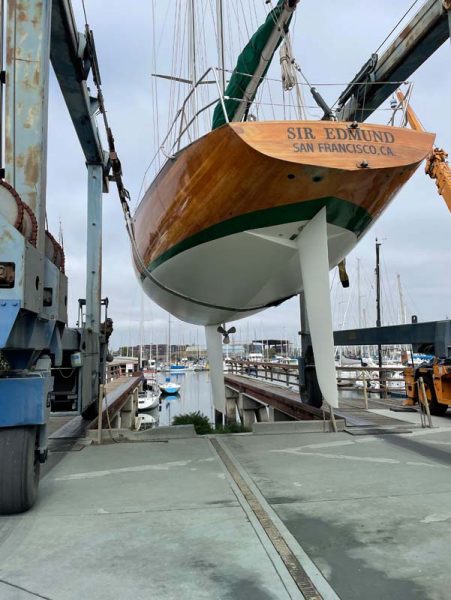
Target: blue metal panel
[(27, 67), (25, 401), (434, 333), (9, 309), (72, 71), (94, 253)]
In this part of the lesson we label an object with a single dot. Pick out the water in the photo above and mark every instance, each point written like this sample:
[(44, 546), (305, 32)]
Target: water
[(194, 395)]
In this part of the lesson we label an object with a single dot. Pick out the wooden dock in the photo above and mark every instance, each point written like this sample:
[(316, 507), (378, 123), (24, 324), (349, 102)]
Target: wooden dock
[(358, 419)]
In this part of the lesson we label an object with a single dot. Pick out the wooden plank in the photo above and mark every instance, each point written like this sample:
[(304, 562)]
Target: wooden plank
[(291, 404), (116, 398), (246, 168)]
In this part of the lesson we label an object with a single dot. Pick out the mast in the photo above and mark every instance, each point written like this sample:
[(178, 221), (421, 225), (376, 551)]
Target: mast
[(364, 325), (220, 36), (253, 63), (401, 301), (266, 56), (141, 332), (168, 349), (378, 298), (192, 60), (2, 14), (359, 303), (359, 297), (150, 344)]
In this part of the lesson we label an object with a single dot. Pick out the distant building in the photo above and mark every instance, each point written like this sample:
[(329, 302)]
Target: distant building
[(195, 352), (273, 347), (121, 365), (158, 352), (234, 350)]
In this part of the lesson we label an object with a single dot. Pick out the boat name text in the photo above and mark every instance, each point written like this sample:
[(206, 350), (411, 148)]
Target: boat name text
[(347, 148), (340, 134)]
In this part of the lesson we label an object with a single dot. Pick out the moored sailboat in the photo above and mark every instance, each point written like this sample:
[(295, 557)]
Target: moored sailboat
[(170, 387)]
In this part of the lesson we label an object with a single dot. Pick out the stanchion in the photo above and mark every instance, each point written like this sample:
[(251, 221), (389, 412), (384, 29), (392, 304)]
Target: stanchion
[(424, 404), (99, 418), (332, 419), (365, 390)]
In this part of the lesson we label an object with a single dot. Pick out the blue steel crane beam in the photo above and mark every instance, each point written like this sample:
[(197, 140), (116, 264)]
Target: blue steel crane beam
[(72, 64), (436, 334), (420, 38), (72, 60)]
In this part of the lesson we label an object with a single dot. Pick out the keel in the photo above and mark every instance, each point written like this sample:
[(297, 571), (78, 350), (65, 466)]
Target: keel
[(215, 360), (314, 259)]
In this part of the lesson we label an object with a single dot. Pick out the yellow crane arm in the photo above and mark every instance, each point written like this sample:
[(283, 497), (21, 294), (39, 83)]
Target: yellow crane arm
[(412, 118), (437, 167), (436, 164)]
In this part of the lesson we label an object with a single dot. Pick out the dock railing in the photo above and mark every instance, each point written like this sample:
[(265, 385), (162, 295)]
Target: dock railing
[(383, 380)]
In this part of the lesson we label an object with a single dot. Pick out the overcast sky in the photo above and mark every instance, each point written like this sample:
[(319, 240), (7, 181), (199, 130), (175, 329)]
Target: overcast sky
[(331, 42)]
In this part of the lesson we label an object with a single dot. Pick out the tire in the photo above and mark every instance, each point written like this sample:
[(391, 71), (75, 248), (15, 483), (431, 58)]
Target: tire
[(437, 409), (91, 411), (19, 469)]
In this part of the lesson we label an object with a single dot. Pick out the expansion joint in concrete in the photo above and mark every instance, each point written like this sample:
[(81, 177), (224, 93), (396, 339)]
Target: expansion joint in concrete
[(291, 562)]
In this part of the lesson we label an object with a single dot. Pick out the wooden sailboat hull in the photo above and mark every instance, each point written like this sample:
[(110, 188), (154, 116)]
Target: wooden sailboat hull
[(215, 233)]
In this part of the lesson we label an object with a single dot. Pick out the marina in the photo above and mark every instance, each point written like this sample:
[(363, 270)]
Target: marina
[(251, 397)]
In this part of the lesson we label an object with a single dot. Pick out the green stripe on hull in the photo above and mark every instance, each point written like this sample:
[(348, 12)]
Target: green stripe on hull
[(339, 212)]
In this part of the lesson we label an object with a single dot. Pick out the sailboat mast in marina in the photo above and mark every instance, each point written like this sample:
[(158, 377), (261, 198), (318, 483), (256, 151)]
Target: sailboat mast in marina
[(247, 212)]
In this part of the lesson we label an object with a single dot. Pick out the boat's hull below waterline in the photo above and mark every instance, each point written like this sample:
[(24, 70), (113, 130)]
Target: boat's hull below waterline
[(217, 229)]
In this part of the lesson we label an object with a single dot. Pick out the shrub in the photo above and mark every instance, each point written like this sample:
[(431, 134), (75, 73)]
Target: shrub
[(200, 422), (232, 428)]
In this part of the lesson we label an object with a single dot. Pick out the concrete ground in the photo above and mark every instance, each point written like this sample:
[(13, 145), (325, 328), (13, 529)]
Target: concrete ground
[(138, 521), (367, 517), (373, 513)]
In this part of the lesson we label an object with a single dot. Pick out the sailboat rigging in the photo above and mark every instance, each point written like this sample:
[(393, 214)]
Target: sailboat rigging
[(252, 212)]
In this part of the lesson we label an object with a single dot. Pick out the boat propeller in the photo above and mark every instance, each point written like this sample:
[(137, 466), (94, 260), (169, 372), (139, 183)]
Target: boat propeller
[(226, 333)]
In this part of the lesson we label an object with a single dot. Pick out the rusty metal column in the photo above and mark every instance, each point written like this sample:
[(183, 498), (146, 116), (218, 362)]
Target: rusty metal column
[(94, 247), (27, 70)]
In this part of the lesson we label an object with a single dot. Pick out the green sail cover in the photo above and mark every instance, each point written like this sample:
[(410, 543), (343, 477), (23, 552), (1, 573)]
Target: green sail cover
[(247, 64)]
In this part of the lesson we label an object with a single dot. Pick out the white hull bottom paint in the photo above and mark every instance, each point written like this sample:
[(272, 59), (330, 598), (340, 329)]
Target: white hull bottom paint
[(239, 275)]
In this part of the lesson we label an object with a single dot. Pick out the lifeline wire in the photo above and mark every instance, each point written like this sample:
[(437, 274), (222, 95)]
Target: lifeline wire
[(397, 24), (124, 195)]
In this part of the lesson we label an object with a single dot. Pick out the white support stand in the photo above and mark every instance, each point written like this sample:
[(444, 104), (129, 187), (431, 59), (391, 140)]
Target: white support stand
[(215, 360), (314, 259)]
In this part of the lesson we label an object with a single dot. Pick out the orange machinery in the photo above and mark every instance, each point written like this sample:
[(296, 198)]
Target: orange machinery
[(436, 164), (437, 381), (436, 376)]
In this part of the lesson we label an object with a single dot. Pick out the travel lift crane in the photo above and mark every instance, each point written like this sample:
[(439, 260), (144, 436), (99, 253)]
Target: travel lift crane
[(437, 375), (43, 364)]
